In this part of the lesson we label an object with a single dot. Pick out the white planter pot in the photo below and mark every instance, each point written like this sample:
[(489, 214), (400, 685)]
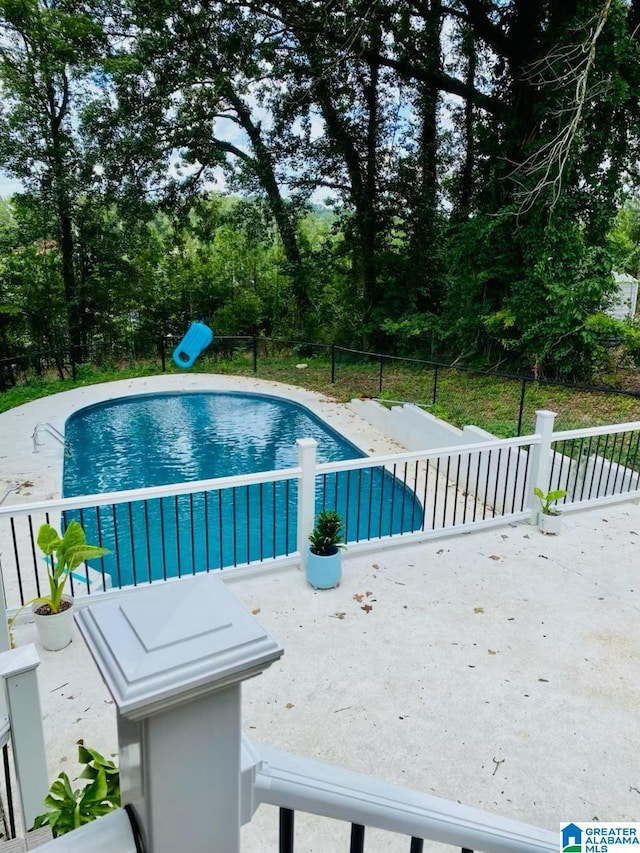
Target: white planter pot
[(550, 524), (55, 630)]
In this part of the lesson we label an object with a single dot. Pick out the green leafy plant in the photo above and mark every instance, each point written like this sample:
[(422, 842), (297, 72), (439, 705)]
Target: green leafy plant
[(547, 500), (326, 536), (69, 808), (64, 556)]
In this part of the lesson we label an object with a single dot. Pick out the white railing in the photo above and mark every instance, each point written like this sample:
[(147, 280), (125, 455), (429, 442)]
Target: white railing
[(599, 464), (302, 784), (22, 726), (167, 531)]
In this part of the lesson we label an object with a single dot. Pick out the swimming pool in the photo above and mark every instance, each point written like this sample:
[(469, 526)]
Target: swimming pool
[(160, 439)]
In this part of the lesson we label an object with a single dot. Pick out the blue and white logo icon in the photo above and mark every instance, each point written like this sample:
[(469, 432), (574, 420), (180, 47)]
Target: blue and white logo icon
[(571, 838), (598, 837)]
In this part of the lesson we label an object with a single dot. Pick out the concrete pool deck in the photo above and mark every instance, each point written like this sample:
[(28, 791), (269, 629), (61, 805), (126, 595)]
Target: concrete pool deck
[(499, 668)]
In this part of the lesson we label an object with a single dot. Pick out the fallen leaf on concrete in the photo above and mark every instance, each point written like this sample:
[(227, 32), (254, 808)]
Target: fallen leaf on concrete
[(441, 551), (494, 557), (358, 596), (400, 583), (546, 680), (504, 536), (491, 652), (367, 608), (375, 566), (368, 594), (256, 611), (478, 609), (340, 615), (289, 705)]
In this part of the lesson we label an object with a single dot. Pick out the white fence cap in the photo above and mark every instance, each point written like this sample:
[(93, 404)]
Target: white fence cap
[(160, 646)]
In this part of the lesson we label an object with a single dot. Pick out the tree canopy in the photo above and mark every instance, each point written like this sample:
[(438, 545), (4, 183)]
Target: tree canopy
[(474, 156)]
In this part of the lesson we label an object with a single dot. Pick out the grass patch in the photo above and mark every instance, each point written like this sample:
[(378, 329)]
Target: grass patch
[(461, 397)]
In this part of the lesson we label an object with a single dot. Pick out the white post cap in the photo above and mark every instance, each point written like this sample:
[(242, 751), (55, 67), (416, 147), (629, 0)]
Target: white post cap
[(161, 646)]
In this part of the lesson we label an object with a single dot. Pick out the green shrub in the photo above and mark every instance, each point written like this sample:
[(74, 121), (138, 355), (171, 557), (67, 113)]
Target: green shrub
[(68, 808)]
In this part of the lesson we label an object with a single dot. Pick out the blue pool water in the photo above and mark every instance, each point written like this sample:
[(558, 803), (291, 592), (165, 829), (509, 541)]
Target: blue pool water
[(153, 440)]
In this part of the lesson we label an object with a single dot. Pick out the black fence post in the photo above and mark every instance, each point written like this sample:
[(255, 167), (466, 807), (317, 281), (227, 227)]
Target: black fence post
[(333, 363), (255, 353), (380, 376), (523, 391), (163, 353), (435, 385), (286, 831)]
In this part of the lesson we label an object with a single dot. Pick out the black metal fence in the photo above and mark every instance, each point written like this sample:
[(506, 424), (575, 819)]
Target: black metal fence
[(595, 466), (286, 842), (457, 393)]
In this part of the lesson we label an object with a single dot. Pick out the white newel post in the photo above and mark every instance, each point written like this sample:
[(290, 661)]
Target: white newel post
[(541, 459), (173, 658), (18, 671), (306, 494)]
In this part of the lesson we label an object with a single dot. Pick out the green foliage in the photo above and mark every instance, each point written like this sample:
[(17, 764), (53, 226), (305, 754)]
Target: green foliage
[(472, 199), (547, 500), (69, 808), (64, 556), (528, 289), (327, 534)]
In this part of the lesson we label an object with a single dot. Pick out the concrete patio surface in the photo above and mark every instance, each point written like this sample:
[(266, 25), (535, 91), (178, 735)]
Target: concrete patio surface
[(499, 668)]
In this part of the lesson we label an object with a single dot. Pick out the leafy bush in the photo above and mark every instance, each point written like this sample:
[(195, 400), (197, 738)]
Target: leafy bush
[(68, 808)]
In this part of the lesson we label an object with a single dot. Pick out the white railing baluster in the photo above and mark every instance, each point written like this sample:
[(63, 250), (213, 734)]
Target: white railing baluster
[(306, 493)]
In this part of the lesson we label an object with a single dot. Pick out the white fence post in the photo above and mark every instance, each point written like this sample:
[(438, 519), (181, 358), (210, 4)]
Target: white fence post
[(541, 458), (174, 657), (306, 494), (18, 670)]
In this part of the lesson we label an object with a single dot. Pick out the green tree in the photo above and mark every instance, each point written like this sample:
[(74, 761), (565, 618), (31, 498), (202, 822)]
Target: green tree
[(46, 51)]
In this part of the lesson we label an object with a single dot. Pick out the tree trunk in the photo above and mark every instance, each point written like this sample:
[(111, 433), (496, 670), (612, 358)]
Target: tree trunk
[(426, 290), (463, 202), (267, 177)]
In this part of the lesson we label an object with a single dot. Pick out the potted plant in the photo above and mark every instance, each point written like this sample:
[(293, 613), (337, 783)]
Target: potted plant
[(54, 613), (549, 517), (324, 566)]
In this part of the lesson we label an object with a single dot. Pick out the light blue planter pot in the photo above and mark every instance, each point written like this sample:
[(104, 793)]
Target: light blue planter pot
[(324, 572)]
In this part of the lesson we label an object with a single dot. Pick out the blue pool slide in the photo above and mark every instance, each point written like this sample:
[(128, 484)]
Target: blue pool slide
[(196, 340)]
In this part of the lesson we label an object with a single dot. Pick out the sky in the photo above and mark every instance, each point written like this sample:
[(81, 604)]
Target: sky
[(8, 186)]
